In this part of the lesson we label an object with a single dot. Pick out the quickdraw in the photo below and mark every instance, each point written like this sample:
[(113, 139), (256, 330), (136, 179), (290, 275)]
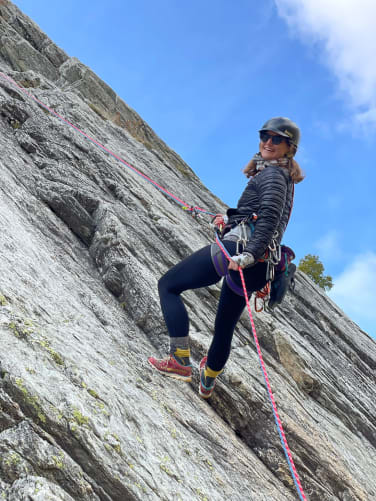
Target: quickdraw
[(262, 295), (272, 257), (195, 211)]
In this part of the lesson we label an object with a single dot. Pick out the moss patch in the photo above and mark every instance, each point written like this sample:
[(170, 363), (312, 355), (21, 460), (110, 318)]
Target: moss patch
[(12, 459), (56, 357), (58, 461), (21, 328), (93, 393), (79, 418), (31, 400), (24, 328)]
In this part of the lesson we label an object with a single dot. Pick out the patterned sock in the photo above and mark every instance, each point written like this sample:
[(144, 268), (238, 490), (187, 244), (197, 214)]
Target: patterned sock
[(209, 377), (210, 373), (179, 349)]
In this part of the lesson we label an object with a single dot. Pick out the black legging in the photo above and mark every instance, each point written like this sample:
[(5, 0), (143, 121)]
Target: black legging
[(198, 271)]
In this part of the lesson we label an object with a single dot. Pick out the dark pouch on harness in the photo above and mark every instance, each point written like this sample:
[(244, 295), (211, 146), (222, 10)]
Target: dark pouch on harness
[(283, 278), (280, 285), (287, 255)]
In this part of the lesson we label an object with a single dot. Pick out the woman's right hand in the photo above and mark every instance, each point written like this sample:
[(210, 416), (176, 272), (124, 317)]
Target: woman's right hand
[(218, 221)]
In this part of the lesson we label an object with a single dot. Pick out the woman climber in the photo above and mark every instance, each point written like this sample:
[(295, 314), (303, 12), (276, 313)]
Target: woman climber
[(250, 233)]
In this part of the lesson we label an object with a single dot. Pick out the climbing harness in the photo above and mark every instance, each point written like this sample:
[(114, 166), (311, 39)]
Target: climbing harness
[(241, 231), (271, 257)]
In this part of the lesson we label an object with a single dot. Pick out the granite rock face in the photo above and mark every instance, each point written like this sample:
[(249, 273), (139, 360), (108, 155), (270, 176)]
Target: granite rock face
[(84, 241)]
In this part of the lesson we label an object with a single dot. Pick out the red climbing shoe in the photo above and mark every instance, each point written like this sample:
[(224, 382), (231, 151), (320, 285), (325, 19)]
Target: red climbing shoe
[(170, 367), (207, 384)]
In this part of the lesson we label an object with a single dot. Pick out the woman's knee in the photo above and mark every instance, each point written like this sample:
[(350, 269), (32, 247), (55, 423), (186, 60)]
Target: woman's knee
[(169, 283), (163, 284)]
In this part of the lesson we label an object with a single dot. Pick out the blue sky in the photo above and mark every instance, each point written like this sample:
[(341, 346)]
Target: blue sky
[(207, 75)]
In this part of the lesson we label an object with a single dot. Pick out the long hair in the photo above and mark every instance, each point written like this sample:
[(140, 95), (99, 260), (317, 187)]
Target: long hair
[(295, 171)]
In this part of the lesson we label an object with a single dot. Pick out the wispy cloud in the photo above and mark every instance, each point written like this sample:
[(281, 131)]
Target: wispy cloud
[(345, 29), (328, 245), (354, 289)]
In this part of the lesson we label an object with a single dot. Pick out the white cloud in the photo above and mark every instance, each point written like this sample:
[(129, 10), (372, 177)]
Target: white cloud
[(328, 245), (354, 289), (345, 29), (367, 118)]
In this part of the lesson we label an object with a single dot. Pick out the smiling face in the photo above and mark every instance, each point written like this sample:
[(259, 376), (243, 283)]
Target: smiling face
[(270, 151)]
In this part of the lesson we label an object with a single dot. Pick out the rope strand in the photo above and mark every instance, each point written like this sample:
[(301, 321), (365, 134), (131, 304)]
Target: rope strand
[(277, 419)]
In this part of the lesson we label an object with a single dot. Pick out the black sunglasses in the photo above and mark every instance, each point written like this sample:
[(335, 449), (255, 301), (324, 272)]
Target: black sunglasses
[(265, 136)]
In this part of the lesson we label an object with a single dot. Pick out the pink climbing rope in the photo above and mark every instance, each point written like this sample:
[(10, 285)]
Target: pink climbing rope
[(277, 419)]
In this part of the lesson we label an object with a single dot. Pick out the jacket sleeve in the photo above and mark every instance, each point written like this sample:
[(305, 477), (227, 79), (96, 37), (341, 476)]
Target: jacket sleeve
[(272, 192)]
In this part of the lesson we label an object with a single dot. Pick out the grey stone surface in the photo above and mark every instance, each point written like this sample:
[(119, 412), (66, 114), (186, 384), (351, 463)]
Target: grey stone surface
[(83, 243)]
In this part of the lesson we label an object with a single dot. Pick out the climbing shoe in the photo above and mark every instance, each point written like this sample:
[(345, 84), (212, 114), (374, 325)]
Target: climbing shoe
[(207, 379), (170, 367)]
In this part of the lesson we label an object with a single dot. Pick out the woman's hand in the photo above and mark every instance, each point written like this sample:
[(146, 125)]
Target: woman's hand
[(241, 261), (218, 221), (233, 266)]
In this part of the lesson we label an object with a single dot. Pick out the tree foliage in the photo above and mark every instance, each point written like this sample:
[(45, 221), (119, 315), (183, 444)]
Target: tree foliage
[(313, 267)]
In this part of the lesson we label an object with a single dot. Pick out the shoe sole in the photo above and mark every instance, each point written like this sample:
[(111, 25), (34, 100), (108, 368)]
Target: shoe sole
[(202, 395), (186, 379)]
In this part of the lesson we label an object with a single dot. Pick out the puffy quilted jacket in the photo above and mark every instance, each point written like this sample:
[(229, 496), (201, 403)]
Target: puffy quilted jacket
[(269, 194)]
